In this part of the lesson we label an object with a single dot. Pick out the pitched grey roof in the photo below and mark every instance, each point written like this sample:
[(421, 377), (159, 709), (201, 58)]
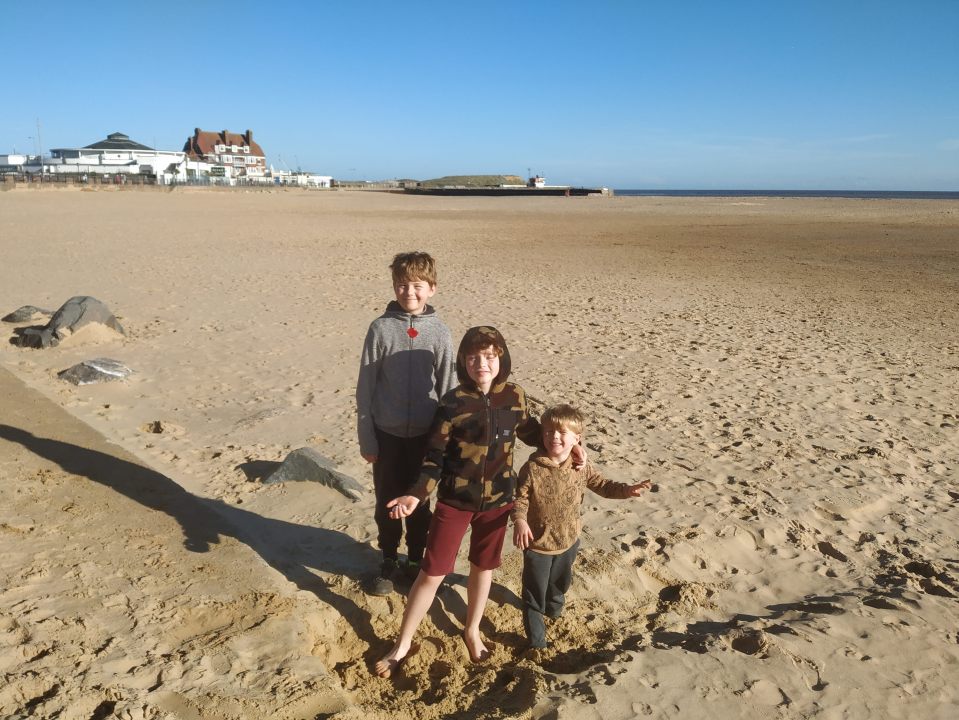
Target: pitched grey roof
[(117, 141)]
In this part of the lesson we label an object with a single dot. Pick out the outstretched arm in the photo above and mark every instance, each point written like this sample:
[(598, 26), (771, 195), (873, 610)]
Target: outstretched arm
[(610, 489), (403, 506), (637, 489)]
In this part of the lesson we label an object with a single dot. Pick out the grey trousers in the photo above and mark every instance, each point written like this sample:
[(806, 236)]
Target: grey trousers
[(546, 578)]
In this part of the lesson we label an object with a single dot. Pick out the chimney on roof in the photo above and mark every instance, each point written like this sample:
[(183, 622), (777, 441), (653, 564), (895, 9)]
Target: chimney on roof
[(225, 138), (249, 136), (196, 131)]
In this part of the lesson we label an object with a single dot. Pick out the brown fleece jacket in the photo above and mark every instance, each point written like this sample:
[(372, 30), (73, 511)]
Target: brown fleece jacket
[(549, 497)]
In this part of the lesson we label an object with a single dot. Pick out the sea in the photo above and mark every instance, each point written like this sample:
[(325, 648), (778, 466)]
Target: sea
[(859, 194)]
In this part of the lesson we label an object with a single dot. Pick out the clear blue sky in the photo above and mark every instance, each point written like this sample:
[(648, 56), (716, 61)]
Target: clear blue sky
[(801, 94)]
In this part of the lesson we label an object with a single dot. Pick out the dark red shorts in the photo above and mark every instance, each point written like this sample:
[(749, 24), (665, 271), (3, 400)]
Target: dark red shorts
[(446, 535)]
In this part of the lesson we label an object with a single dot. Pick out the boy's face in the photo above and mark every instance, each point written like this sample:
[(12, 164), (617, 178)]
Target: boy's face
[(483, 366), (412, 295), (558, 442)]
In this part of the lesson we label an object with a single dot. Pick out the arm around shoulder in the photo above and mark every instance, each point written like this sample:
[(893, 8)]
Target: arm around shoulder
[(528, 429)]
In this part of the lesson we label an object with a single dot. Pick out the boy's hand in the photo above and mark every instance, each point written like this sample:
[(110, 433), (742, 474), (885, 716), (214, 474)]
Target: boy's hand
[(579, 456), (637, 489), (370, 458), (403, 506), (522, 535)]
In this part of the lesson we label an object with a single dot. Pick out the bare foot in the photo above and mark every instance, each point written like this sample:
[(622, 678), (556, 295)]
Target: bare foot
[(477, 650), (385, 667), (393, 661)]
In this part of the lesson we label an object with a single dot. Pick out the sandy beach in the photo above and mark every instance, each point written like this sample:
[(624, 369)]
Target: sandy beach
[(785, 372)]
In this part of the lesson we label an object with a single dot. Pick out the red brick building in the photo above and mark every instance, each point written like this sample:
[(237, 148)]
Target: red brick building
[(239, 154)]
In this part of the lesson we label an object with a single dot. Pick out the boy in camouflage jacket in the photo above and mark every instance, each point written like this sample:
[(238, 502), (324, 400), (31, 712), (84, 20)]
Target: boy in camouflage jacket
[(469, 462)]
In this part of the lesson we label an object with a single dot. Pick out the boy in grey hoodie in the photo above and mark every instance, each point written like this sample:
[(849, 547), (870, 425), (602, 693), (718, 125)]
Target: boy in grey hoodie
[(407, 365)]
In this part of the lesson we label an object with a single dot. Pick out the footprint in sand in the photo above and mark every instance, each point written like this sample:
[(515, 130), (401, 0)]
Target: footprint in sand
[(764, 692)]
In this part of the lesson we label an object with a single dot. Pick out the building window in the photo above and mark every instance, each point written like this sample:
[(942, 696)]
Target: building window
[(227, 159)]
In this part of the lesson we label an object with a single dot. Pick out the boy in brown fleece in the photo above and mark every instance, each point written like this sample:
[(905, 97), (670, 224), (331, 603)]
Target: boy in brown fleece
[(546, 517)]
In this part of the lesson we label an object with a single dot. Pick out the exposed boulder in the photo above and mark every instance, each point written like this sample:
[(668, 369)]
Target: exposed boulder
[(96, 370), (74, 314), (25, 313), (307, 464)]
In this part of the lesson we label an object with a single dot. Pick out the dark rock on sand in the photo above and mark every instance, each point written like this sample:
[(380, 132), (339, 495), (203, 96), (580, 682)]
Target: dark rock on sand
[(96, 370), (307, 464), (75, 313), (25, 313)]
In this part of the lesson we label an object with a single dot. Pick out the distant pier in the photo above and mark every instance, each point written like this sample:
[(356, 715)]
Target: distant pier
[(508, 191)]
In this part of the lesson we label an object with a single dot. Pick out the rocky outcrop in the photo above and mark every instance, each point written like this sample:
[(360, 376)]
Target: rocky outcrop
[(74, 314), (96, 370), (307, 464)]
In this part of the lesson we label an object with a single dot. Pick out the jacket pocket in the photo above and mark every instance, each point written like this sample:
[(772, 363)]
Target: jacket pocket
[(504, 425)]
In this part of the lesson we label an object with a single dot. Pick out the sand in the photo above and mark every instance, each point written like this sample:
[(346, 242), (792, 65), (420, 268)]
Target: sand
[(783, 370)]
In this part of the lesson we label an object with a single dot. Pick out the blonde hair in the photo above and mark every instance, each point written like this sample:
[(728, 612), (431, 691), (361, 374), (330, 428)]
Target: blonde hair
[(413, 266), (564, 417)]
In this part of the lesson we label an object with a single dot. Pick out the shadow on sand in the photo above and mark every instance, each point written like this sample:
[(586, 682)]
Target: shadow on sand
[(293, 550)]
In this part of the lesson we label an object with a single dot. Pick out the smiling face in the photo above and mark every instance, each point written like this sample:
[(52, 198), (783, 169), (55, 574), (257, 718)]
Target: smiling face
[(412, 295), (558, 441), (483, 366)]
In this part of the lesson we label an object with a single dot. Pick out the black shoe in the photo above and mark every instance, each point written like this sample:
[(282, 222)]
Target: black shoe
[(383, 583)]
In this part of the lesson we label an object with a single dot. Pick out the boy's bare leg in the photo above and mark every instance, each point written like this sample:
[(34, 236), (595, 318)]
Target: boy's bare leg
[(477, 593), (417, 605)]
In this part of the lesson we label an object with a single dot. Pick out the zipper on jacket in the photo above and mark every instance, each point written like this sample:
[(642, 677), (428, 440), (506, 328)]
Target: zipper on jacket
[(489, 445), (409, 375)]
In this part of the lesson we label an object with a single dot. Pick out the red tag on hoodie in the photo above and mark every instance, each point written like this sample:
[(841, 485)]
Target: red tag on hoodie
[(412, 332)]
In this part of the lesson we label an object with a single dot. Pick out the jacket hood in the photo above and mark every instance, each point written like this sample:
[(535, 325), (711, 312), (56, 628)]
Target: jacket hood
[(394, 308), (482, 336), (539, 457)]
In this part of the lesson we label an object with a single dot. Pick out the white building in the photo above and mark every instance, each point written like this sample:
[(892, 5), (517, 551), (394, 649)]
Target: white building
[(116, 155), (219, 158), (300, 179), (15, 162)]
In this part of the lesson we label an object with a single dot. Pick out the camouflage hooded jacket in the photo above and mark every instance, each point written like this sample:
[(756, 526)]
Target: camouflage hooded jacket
[(470, 452)]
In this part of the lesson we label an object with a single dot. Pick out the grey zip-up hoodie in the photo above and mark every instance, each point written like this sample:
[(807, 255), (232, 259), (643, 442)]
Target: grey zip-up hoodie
[(408, 364)]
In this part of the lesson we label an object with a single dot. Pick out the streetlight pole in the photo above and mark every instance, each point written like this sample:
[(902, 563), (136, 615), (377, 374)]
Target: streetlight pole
[(33, 144), (40, 144)]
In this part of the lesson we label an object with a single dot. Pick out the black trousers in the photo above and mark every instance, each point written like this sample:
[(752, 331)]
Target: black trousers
[(546, 578), (395, 471)]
